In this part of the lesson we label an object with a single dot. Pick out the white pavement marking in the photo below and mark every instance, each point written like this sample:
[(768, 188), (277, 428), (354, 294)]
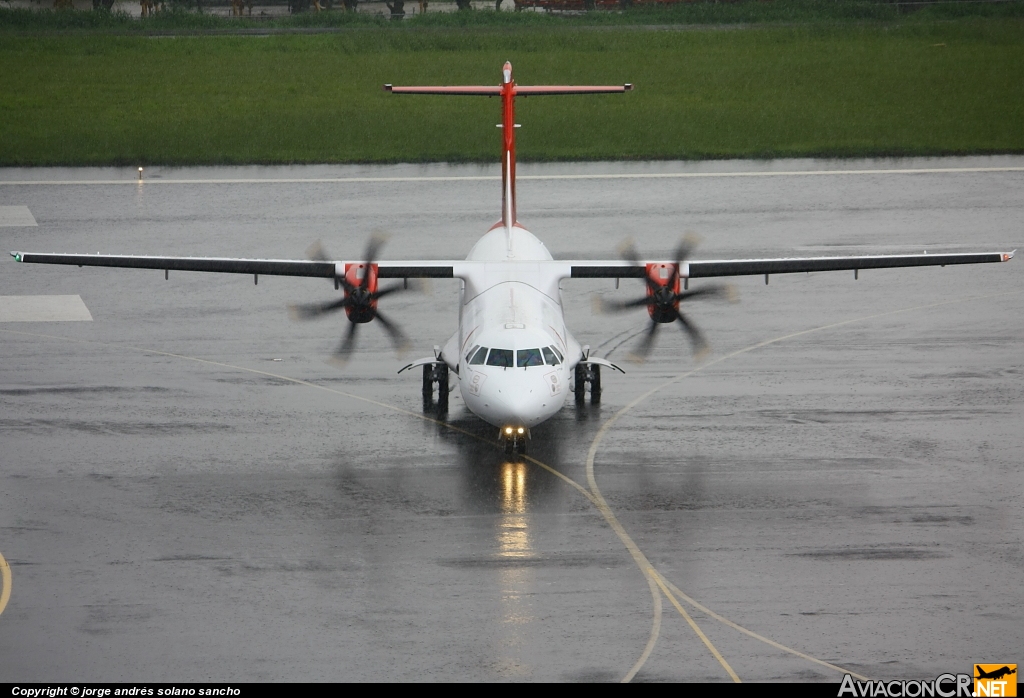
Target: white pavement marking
[(490, 178), (16, 216), (43, 309)]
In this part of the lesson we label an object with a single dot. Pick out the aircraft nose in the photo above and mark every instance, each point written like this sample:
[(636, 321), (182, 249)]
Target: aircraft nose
[(529, 402)]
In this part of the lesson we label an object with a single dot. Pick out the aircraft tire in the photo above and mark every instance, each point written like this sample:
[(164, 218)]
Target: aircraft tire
[(442, 388), (581, 384), (428, 383), (595, 385)]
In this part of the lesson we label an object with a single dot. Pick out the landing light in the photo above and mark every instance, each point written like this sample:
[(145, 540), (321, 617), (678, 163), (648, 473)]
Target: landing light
[(508, 430), (520, 430)]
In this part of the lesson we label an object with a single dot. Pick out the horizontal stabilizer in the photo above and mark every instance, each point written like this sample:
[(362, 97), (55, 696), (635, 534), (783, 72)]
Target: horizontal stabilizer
[(518, 90), (528, 90), (488, 90)]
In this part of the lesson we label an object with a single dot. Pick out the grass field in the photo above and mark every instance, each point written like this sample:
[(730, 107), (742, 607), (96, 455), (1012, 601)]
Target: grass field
[(182, 16), (815, 89)]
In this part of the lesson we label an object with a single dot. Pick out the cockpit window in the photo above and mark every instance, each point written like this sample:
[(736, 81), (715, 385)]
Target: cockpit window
[(471, 351), (549, 357), (500, 357), (478, 357), (557, 353), (528, 357)]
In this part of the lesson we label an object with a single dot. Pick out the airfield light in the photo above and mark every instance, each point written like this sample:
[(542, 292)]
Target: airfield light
[(140, 174)]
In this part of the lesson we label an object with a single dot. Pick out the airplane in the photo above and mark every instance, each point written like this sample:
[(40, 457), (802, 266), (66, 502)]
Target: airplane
[(513, 357), (996, 674)]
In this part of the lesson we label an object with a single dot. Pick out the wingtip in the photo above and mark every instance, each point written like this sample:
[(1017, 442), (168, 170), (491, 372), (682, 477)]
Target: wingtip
[(387, 87), (1007, 256), (17, 256), (628, 87)]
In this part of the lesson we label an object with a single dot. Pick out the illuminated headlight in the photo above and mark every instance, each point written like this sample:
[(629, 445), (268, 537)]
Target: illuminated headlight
[(508, 430), (521, 430)]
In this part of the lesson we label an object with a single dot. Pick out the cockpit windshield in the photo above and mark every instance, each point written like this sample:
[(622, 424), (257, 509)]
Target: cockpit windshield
[(529, 357), (476, 356), (500, 357), (524, 358)]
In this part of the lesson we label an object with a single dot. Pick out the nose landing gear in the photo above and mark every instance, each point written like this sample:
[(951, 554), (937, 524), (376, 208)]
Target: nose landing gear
[(587, 373), (435, 373), (514, 439)]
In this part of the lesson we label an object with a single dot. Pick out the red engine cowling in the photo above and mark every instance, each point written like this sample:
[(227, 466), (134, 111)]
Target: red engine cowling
[(663, 280), (364, 280)]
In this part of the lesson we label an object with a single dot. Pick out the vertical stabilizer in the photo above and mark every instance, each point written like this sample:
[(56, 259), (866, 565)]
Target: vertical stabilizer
[(508, 152)]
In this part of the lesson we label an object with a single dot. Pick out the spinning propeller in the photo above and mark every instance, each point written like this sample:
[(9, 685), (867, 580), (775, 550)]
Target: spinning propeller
[(360, 300), (663, 297)]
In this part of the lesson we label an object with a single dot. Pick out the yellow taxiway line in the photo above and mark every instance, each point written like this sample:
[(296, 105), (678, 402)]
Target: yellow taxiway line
[(5, 583)]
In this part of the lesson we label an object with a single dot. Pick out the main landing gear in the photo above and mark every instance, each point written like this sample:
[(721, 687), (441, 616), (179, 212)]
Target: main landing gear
[(588, 374), (435, 373)]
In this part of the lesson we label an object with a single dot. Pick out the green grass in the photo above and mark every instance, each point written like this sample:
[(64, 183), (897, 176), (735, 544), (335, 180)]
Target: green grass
[(832, 89), (183, 17)]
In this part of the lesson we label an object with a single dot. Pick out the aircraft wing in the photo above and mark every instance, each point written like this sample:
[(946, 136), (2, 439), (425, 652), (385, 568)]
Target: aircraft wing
[(445, 269), (268, 267), (613, 269)]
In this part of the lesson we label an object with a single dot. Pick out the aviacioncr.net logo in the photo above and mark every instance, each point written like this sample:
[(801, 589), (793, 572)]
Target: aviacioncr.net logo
[(945, 686)]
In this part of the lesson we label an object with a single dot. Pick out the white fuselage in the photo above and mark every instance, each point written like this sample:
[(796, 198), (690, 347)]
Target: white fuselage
[(510, 307)]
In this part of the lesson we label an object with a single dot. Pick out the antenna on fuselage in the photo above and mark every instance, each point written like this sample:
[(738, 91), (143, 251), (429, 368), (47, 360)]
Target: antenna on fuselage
[(508, 90)]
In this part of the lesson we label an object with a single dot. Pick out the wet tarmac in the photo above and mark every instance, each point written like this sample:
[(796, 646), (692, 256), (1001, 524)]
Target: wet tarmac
[(189, 491)]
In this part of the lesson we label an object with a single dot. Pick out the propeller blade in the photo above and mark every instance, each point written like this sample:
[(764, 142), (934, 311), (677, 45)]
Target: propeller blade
[(685, 248), (646, 344), (317, 253), (682, 252), (627, 250), (700, 345), (311, 311), (629, 253), (347, 344), (373, 248), (398, 338)]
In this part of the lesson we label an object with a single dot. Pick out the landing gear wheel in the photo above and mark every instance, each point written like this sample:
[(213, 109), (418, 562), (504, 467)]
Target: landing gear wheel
[(428, 384), (595, 384), (588, 373), (435, 373), (510, 446), (442, 389)]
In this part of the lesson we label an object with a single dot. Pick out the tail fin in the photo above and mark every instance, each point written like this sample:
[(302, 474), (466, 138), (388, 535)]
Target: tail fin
[(508, 90)]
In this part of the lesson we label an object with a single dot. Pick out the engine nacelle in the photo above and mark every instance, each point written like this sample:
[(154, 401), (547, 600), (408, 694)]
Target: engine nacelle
[(663, 280), (362, 278)]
